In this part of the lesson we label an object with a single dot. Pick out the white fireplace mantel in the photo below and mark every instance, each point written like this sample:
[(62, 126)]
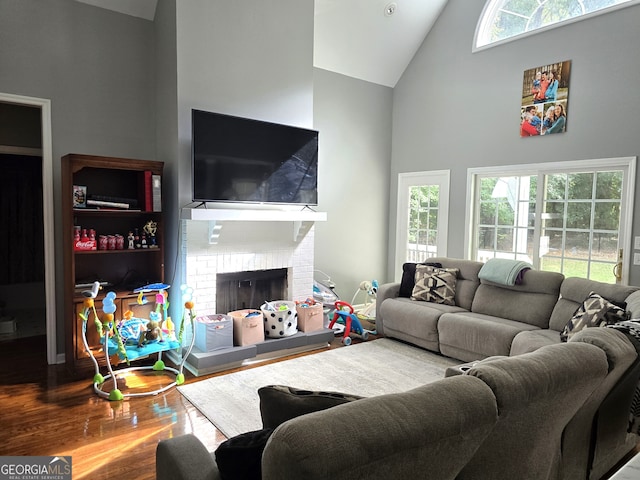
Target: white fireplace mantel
[(301, 219), (256, 215)]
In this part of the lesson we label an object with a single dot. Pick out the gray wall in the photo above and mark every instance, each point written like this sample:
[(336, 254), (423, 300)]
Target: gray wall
[(454, 109), (354, 119), (97, 68)]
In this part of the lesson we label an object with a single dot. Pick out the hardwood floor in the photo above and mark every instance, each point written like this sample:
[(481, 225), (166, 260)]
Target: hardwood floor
[(47, 411)]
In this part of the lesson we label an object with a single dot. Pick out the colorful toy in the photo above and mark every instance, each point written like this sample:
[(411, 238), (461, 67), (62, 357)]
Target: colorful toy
[(344, 314), (134, 338), (366, 312)]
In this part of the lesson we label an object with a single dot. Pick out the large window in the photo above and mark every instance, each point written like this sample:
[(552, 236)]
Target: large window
[(502, 20), (573, 218)]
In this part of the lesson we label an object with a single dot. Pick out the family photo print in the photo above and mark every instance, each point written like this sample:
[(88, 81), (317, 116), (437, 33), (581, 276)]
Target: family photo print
[(545, 94)]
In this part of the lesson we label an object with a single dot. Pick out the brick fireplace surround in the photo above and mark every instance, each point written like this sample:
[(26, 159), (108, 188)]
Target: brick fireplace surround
[(224, 241), (244, 246)]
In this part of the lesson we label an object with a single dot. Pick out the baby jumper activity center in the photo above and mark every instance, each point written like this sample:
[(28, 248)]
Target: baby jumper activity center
[(133, 338)]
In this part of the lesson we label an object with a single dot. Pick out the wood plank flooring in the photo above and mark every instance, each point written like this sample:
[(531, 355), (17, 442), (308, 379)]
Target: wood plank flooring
[(47, 411)]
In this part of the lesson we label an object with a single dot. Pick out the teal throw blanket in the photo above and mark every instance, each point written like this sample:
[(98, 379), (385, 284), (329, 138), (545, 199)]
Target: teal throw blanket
[(503, 271)]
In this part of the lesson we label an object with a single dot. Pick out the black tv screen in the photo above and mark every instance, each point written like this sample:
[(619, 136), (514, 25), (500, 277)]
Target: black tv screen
[(238, 159)]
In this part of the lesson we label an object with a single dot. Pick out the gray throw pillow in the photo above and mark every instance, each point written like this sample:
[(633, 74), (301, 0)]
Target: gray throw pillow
[(280, 403)]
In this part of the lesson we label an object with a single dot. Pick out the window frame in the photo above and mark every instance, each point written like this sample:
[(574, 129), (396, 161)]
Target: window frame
[(572, 166), (491, 7)]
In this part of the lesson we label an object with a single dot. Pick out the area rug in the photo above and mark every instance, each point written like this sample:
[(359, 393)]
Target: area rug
[(376, 367)]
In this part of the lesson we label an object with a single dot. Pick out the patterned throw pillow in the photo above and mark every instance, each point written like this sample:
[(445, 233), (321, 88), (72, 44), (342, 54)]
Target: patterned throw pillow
[(595, 311), (436, 285), (408, 280)]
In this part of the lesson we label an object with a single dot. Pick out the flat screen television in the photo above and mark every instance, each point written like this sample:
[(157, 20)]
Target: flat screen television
[(241, 160)]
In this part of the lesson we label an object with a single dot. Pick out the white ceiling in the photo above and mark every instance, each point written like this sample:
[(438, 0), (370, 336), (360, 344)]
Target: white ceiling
[(356, 38)]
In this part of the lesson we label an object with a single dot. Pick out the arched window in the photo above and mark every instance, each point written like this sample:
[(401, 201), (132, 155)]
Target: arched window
[(503, 20)]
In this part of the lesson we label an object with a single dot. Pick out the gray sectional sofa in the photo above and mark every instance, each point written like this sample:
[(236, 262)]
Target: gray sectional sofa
[(529, 406), (490, 319), (504, 419)]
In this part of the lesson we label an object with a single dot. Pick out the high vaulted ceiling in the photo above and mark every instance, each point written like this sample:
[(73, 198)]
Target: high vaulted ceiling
[(372, 40)]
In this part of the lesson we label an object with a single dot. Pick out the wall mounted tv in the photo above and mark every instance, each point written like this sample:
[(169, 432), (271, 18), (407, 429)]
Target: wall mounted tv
[(241, 160)]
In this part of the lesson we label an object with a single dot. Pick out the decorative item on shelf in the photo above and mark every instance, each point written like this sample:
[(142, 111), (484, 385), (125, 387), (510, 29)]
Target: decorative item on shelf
[(79, 196), (131, 241), (150, 229), (136, 238), (85, 242)]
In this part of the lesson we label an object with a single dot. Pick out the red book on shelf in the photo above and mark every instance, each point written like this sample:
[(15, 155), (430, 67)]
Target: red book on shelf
[(148, 191)]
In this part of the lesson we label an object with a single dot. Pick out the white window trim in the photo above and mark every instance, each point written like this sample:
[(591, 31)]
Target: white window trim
[(484, 17), (412, 179), (628, 194)]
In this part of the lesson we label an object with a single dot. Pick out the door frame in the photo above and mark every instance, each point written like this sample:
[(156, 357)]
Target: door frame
[(442, 178), (48, 217)]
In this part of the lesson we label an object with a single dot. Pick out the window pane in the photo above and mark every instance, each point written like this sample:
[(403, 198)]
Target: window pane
[(580, 186), (607, 216), (577, 245), (579, 215), (505, 214), (605, 247), (602, 272), (486, 238), (505, 239), (575, 268), (556, 187), (554, 214), (487, 213), (609, 185), (486, 188)]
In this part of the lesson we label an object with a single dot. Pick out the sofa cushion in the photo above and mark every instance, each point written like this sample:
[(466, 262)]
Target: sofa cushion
[(532, 340), (408, 280), (436, 285), (413, 322), (595, 311), (530, 302), (279, 403), (473, 336)]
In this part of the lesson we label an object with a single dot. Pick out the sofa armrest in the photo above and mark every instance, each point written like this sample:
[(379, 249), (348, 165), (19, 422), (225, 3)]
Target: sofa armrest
[(387, 290), (184, 457)]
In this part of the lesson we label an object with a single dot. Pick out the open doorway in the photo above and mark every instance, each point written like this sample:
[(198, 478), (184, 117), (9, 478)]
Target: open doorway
[(27, 306)]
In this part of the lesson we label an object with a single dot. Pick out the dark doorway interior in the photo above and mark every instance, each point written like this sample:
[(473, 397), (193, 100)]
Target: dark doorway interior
[(22, 293)]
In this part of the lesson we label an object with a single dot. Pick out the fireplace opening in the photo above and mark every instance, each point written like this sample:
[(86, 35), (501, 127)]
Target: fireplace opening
[(240, 290)]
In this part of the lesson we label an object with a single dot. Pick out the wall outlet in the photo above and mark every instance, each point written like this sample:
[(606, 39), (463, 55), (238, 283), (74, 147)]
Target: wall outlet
[(636, 258), (636, 243)]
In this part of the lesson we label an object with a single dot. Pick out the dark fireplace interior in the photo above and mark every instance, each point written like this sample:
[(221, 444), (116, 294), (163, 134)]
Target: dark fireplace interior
[(239, 290)]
